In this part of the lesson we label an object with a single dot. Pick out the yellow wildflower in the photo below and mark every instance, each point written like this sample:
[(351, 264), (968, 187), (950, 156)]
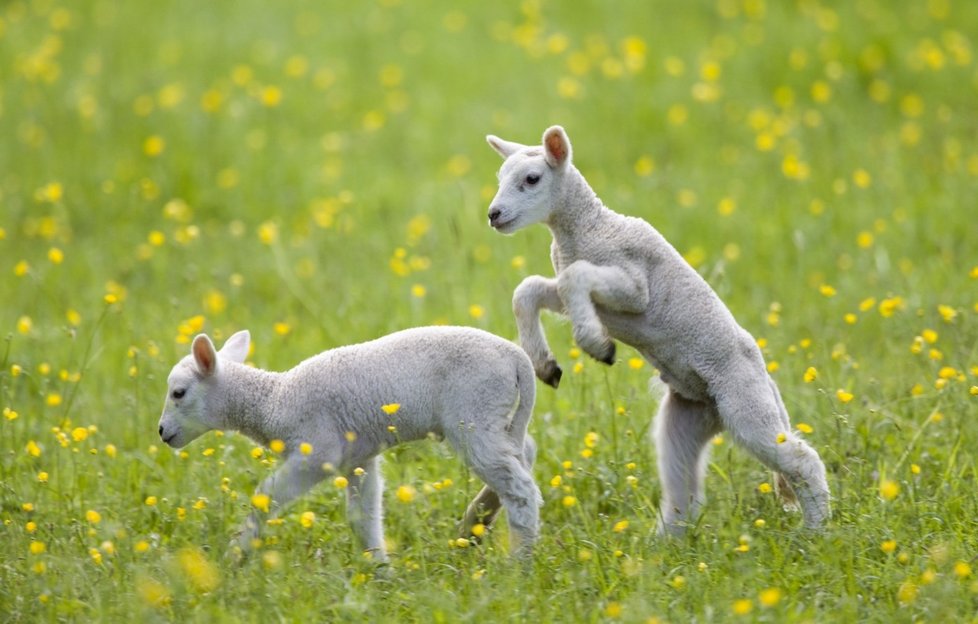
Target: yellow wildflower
[(742, 606), (406, 493), (24, 325), (271, 96), (962, 569), (890, 305), (889, 489), (32, 449), (769, 597), (203, 575), (907, 593), (261, 502), (947, 313), (271, 559), (153, 146)]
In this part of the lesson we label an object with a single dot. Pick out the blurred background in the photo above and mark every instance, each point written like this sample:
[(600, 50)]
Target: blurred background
[(317, 172)]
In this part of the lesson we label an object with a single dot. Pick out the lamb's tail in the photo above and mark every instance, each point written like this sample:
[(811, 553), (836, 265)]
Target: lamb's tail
[(526, 388)]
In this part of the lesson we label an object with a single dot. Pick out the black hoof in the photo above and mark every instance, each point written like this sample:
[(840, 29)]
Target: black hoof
[(607, 356), (551, 374)]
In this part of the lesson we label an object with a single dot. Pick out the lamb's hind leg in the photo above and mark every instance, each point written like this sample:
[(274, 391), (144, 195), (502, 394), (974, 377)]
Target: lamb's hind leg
[(532, 295), (486, 505), (683, 429), (751, 413), (499, 460), (781, 484)]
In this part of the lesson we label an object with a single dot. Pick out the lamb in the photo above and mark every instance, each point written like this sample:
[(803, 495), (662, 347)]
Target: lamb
[(335, 412), (618, 278)]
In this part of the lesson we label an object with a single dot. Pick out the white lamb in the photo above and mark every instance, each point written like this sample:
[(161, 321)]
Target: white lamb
[(617, 277), (465, 385)]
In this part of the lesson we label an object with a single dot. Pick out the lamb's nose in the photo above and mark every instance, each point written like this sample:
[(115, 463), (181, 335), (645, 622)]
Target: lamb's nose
[(161, 431), (494, 214)]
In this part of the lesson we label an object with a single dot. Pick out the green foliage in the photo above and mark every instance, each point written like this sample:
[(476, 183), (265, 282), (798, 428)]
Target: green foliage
[(316, 172)]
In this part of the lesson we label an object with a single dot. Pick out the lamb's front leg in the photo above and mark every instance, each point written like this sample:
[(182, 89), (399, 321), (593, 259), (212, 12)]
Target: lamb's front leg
[(581, 285), (298, 474), (364, 509), (532, 295)]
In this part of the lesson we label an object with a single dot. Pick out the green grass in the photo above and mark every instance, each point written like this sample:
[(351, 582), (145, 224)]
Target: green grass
[(299, 169)]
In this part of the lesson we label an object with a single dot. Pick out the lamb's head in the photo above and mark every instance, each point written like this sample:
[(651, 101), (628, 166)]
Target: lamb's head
[(529, 180), (189, 411)]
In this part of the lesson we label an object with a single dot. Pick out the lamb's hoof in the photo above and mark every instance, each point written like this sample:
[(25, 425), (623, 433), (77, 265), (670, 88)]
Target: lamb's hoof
[(606, 354), (550, 374)]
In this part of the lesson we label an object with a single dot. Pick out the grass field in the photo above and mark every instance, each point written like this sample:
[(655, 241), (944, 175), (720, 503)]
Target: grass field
[(316, 172)]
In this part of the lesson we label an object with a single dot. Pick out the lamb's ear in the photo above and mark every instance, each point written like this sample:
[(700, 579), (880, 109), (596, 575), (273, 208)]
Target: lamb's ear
[(503, 147), (204, 355), (236, 347), (556, 146)]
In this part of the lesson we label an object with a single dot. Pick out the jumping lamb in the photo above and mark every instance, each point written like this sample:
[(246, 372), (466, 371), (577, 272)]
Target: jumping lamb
[(335, 412), (618, 278)]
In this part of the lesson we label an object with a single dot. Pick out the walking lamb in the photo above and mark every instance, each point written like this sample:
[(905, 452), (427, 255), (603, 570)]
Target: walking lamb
[(336, 411), (617, 277)]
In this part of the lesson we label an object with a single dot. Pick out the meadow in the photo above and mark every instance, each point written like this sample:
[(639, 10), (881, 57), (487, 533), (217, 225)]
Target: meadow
[(316, 172)]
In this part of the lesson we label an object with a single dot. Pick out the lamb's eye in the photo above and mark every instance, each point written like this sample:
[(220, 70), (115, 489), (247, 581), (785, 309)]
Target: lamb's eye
[(178, 394), (532, 179)]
